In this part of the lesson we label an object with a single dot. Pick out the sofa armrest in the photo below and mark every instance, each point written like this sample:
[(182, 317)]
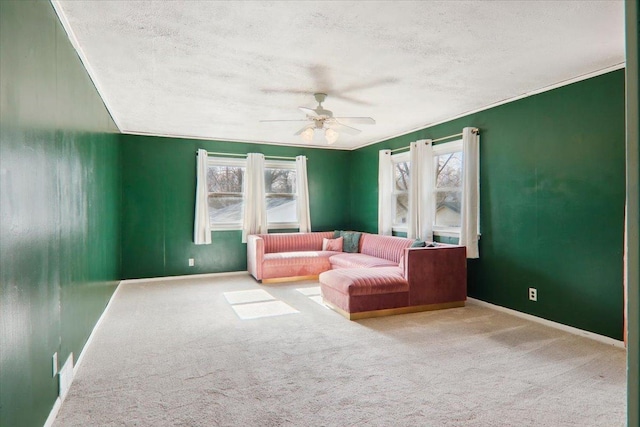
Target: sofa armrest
[(436, 275), (255, 255)]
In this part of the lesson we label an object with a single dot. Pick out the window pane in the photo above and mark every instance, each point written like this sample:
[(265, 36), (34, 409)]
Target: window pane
[(281, 208), (449, 170), (225, 179), (401, 209), (448, 208), (225, 208), (280, 181), (401, 176)]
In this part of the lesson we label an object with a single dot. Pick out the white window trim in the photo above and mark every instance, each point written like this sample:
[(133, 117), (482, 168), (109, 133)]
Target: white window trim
[(447, 147), (439, 150), (225, 161), (282, 164), (395, 159), (278, 164)]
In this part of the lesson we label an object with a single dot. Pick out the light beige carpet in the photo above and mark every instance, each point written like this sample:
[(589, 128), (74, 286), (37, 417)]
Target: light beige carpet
[(177, 353)]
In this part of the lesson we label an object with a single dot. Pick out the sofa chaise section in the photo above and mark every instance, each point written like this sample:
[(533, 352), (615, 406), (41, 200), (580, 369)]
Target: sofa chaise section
[(429, 278)]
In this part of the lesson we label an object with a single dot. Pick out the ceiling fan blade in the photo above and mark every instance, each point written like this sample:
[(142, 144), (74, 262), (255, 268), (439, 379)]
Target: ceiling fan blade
[(309, 111), (344, 128), (293, 120), (357, 120), (311, 125)]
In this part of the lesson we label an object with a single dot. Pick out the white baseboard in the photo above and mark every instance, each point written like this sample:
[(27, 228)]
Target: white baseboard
[(58, 403), (54, 413), (93, 331), (556, 325), (185, 277)]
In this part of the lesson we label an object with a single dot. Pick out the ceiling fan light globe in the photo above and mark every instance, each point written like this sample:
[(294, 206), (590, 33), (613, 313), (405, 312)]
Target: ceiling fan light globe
[(307, 135), (331, 136)]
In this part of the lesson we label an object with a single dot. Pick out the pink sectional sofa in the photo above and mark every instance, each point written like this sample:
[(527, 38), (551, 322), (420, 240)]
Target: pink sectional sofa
[(386, 276)]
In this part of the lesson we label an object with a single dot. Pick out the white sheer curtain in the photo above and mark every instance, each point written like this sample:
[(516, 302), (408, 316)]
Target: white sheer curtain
[(469, 232), (201, 226), (421, 191), (254, 220), (302, 185), (385, 188)]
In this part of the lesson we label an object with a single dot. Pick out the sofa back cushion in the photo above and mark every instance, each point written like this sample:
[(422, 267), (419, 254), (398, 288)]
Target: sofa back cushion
[(294, 242), (387, 247)]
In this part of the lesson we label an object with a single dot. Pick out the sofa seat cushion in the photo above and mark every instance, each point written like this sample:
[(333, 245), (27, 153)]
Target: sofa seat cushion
[(365, 281), (347, 260), (298, 257), (295, 264)]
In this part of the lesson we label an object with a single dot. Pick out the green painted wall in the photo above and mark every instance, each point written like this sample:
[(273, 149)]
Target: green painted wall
[(632, 12), (552, 202), (81, 207), (59, 208), (159, 198)]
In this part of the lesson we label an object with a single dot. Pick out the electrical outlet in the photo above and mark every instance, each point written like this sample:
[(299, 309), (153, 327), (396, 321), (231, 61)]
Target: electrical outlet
[(192, 262), (54, 364), (533, 294)]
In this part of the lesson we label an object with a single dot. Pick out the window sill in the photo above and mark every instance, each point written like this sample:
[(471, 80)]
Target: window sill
[(226, 228), (283, 226), (269, 227), (442, 232), (447, 233)]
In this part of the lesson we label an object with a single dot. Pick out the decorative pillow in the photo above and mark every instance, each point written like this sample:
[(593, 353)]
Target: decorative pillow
[(419, 244), (337, 233), (332, 244), (351, 241)]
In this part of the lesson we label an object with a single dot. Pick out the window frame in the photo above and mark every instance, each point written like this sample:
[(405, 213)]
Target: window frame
[(242, 163), (395, 159), (225, 161), (439, 150), (283, 164)]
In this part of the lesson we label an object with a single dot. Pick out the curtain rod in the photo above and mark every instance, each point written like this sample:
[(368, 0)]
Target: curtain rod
[(212, 153), (435, 140)]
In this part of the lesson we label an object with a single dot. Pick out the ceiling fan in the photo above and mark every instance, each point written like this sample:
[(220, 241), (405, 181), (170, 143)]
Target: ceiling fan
[(323, 121)]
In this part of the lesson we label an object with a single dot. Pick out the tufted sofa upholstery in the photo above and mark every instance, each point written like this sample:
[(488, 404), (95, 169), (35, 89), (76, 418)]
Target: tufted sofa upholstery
[(385, 276), (287, 256)]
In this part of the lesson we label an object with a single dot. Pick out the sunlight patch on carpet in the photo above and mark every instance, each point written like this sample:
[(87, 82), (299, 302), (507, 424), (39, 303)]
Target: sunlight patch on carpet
[(314, 294), (319, 300), (315, 290), (263, 309), (252, 295)]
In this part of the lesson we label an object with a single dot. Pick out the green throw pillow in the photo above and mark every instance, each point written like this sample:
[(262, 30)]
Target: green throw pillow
[(351, 241), (419, 244), (337, 234)]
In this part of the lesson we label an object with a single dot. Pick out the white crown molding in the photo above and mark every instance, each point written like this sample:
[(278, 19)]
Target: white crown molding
[(83, 58), (504, 101)]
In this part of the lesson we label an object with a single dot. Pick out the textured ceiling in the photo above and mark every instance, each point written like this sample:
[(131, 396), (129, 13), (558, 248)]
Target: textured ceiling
[(213, 70)]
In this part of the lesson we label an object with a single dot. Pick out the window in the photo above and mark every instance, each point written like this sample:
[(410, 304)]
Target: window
[(448, 163), (400, 194), (225, 180), (447, 191), (280, 192)]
